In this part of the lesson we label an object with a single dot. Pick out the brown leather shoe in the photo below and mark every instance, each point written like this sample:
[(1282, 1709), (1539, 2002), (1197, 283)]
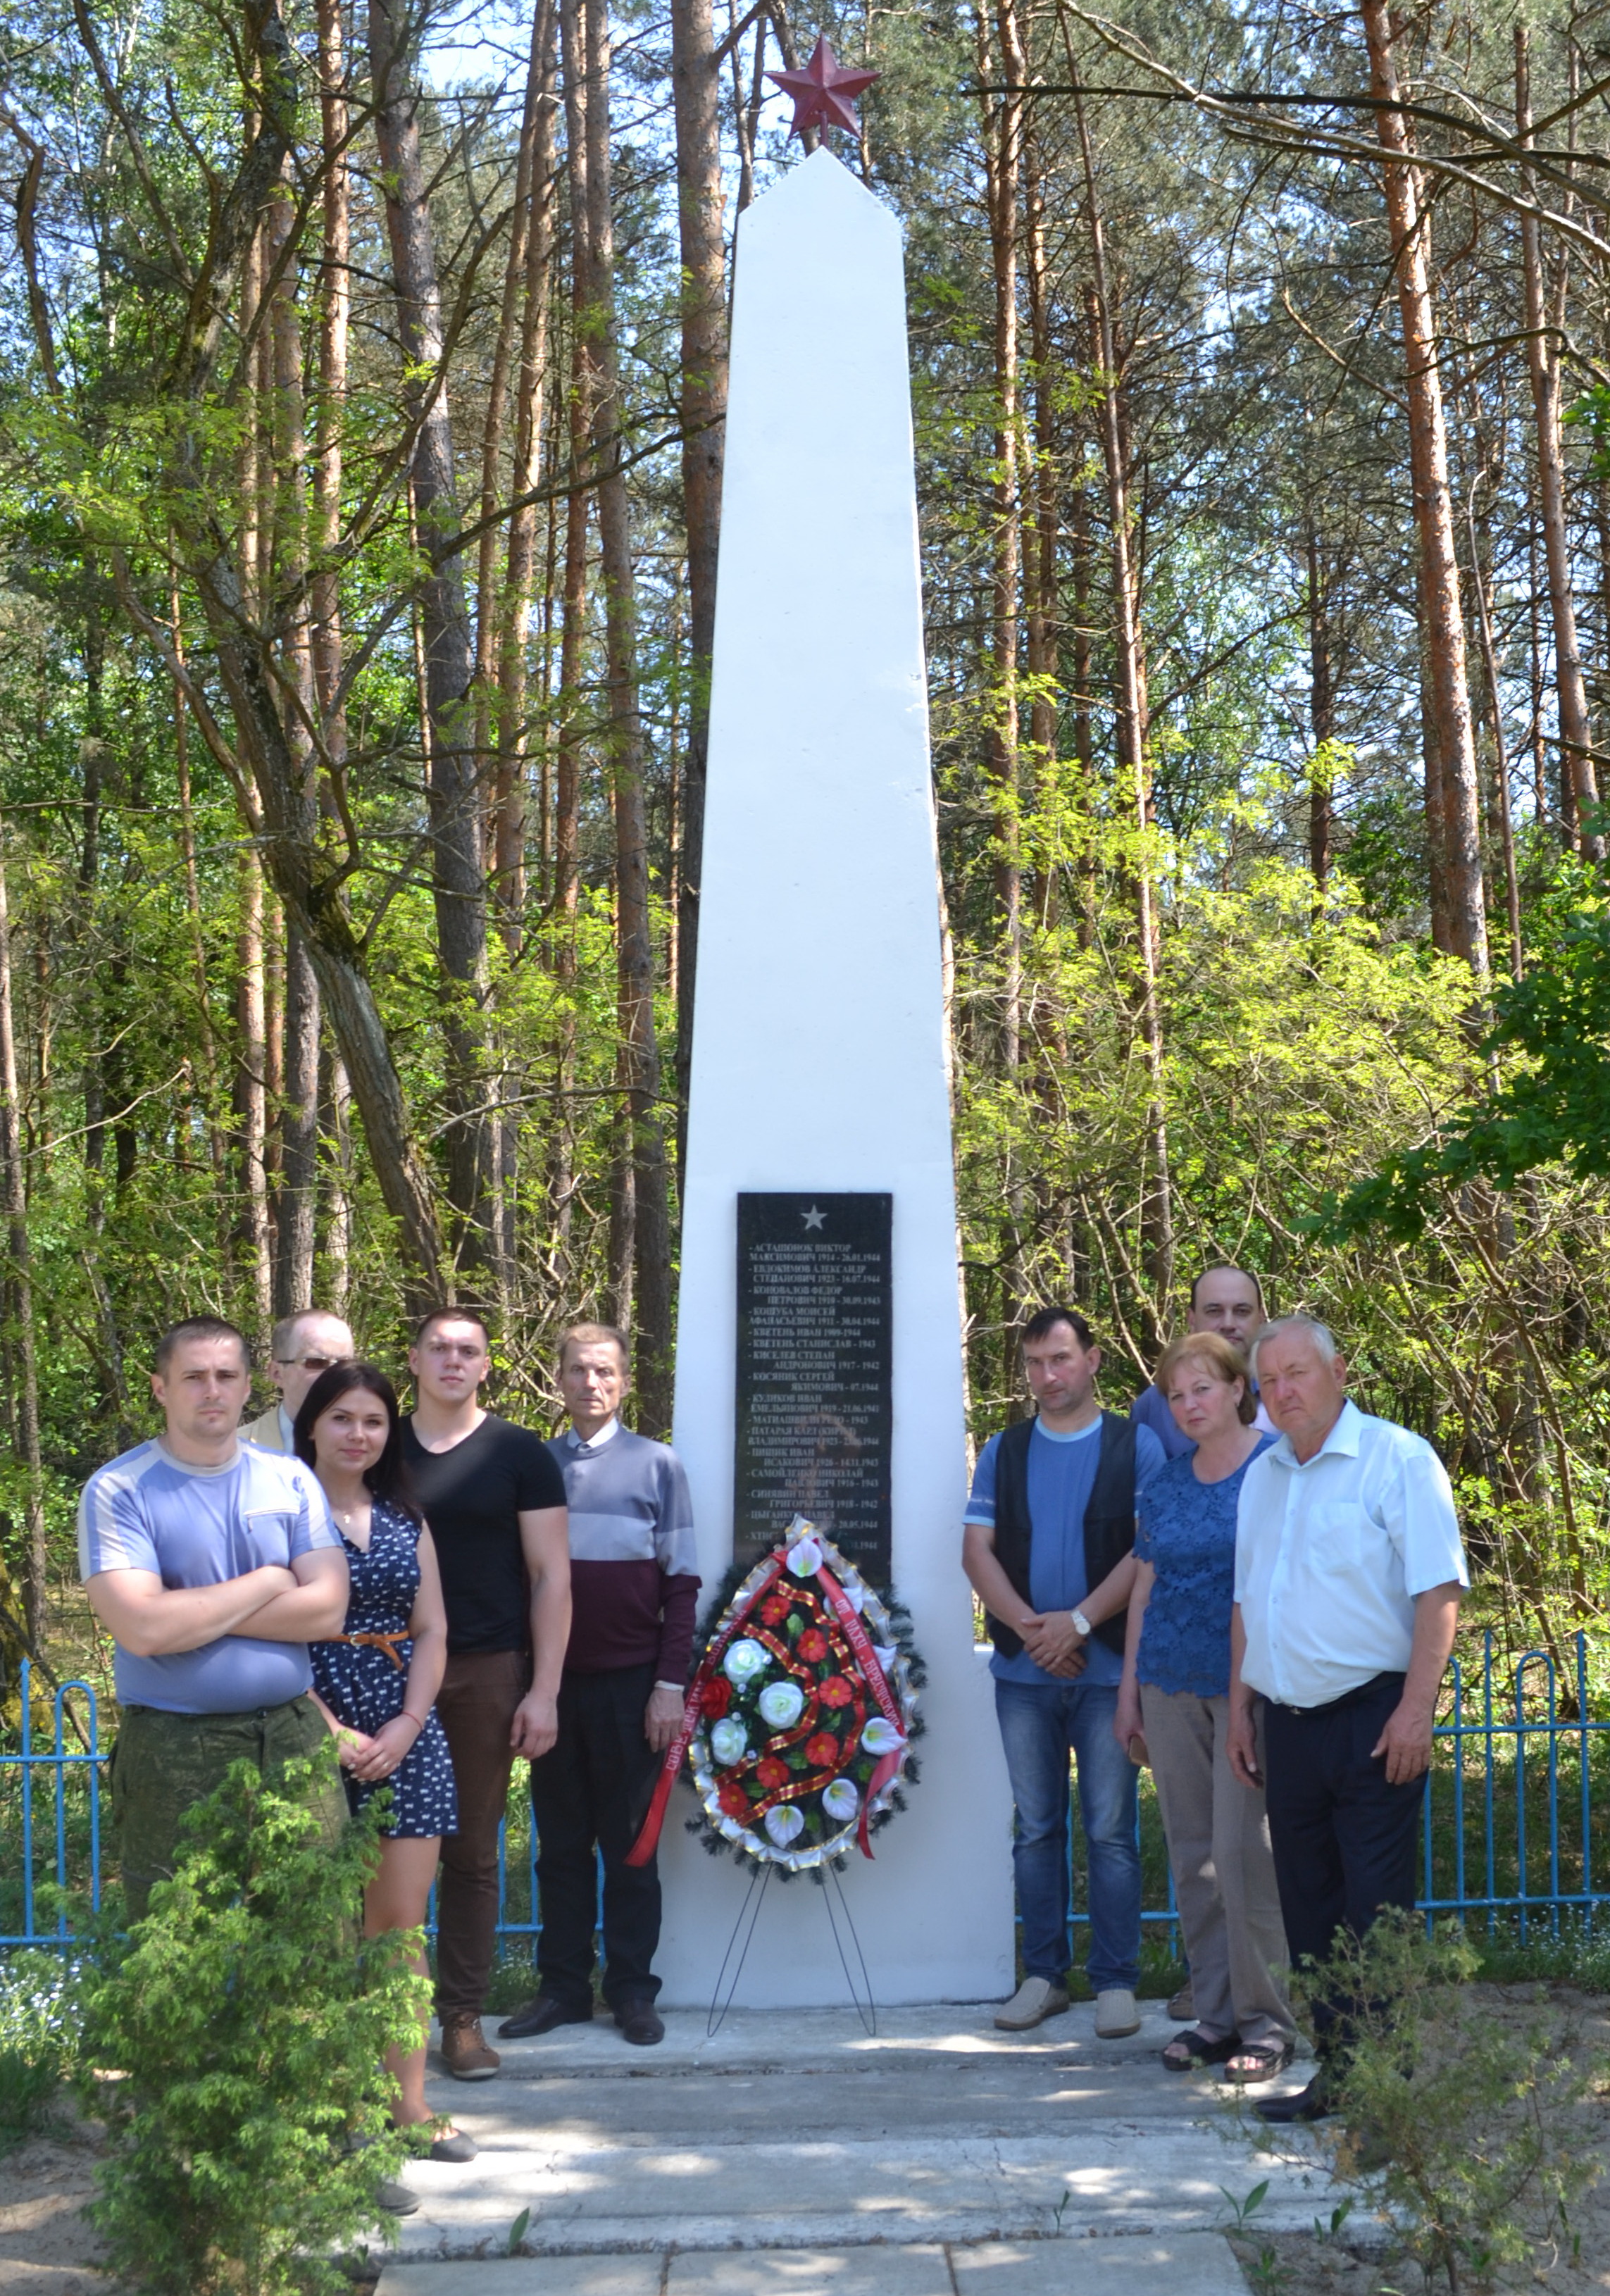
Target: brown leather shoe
[(464, 2052)]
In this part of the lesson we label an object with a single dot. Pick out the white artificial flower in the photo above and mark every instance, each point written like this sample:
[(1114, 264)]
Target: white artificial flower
[(784, 1825), (880, 1737), (729, 1741), (855, 1594), (885, 1654), (744, 1660), (805, 1559), (781, 1704), (841, 1800)]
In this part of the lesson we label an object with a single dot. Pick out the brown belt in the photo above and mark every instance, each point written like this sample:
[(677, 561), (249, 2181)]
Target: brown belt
[(388, 1643)]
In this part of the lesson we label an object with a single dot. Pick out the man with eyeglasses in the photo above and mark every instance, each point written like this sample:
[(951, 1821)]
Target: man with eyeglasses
[(299, 1348), (494, 1497)]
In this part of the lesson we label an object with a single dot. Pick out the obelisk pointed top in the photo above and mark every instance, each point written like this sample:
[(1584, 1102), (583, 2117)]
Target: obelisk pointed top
[(823, 91)]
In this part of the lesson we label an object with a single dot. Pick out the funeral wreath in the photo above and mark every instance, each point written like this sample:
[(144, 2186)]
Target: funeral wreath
[(800, 1721)]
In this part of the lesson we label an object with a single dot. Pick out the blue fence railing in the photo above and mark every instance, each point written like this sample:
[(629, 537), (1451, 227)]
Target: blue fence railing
[(1517, 1820)]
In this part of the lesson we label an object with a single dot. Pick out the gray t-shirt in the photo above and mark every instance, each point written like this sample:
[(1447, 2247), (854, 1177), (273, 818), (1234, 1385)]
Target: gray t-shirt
[(197, 1527)]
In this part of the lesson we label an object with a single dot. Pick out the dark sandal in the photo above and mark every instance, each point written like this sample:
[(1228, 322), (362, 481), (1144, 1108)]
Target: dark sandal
[(1187, 2051), (1257, 2061)]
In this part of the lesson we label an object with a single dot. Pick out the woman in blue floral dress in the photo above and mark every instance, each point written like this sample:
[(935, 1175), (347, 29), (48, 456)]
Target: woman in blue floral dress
[(1176, 1690), (377, 1680)]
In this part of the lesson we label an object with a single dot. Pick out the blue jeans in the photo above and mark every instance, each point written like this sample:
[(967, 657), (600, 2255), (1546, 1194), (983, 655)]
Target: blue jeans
[(1038, 1723)]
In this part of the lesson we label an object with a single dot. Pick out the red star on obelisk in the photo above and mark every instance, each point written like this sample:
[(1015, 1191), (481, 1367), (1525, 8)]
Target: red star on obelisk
[(822, 93)]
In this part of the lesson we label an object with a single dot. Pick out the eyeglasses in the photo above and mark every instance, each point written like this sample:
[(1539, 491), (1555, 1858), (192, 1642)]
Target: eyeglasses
[(312, 1362)]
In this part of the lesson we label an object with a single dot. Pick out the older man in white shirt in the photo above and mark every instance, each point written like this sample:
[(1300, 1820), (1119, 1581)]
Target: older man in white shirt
[(1349, 1570)]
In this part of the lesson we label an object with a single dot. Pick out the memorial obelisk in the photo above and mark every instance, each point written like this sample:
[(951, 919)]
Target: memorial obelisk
[(820, 1098)]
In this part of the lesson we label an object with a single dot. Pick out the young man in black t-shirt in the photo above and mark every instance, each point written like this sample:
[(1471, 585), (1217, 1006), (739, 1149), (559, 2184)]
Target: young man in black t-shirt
[(493, 1498)]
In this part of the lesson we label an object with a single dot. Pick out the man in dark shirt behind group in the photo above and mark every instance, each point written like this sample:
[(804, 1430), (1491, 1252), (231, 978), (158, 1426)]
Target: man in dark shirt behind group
[(635, 1584), (495, 1502)]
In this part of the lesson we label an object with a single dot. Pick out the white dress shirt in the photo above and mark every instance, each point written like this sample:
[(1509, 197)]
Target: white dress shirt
[(1331, 1552)]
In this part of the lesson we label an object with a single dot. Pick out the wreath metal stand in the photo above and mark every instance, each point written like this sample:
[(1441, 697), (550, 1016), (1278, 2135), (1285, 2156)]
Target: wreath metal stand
[(744, 1929)]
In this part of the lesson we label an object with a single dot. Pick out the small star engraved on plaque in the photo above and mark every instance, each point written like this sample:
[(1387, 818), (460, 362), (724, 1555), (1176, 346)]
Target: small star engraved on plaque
[(813, 1218)]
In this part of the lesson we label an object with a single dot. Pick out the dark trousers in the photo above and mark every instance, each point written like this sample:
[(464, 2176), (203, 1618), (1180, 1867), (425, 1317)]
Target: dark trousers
[(163, 1764), (1345, 1841), (590, 1793), (480, 1693)]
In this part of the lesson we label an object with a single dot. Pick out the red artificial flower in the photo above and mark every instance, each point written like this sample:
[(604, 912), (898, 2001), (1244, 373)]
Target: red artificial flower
[(835, 1691), (771, 1773), (734, 1801), (718, 1696), (813, 1643), (773, 1609), (822, 1752)]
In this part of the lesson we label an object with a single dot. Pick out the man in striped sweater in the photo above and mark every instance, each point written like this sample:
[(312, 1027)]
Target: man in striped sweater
[(634, 1590)]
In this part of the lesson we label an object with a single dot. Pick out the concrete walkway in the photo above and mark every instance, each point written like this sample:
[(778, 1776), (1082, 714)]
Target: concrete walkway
[(792, 2152)]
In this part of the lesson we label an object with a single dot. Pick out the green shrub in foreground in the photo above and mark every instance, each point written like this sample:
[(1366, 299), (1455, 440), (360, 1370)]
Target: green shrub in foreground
[(248, 2024), (1475, 2109)]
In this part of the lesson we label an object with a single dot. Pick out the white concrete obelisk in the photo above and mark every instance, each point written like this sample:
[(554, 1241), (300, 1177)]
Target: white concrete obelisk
[(819, 1053)]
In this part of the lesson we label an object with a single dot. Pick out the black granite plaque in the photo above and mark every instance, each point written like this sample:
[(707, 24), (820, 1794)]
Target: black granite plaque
[(814, 1350)]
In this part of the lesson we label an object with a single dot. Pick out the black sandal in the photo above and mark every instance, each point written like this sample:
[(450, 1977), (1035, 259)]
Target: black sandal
[(1257, 2061), (1187, 2051)]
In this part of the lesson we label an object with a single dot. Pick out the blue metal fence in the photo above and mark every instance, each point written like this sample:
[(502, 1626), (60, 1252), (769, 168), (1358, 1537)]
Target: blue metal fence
[(1512, 1824)]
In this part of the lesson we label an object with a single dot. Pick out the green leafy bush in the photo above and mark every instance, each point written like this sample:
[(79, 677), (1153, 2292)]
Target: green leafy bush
[(248, 2024), (1463, 2113), (38, 2039)]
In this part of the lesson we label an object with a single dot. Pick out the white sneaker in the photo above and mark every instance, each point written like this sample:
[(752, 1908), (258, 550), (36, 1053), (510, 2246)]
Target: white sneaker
[(1116, 2015), (1035, 1999)]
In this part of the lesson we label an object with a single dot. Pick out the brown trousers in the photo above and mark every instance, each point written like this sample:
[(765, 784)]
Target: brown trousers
[(480, 1693)]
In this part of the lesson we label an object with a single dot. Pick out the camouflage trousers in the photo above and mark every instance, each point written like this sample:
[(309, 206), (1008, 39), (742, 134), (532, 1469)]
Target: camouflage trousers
[(163, 1764)]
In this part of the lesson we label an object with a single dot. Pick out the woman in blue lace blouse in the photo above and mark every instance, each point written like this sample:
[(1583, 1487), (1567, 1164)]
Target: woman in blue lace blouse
[(1176, 1690)]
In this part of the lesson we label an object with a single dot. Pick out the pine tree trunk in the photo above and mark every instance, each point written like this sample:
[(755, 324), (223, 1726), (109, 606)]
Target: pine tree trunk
[(513, 735), (1039, 556), (1157, 1209), (567, 757), (294, 1091), (1003, 160), (695, 94), (1500, 760), (1443, 628), (650, 1255), (18, 1291), (1542, 360), (251, 1086), (1321, 719), (452, 782)]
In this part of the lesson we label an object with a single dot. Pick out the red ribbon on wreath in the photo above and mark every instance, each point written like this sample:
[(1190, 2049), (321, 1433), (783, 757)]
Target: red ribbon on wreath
[(860, 1643), (675, 1754)]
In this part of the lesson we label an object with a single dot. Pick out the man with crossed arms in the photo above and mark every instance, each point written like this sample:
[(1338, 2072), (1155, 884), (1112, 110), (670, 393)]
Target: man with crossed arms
[(212, 1565)]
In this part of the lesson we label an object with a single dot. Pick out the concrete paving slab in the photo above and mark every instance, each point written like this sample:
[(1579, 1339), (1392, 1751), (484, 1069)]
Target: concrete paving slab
[(1189, 2264), (524, 2276), (910, 2271), (1116, 2177), (800, 2131), (817, 2040)]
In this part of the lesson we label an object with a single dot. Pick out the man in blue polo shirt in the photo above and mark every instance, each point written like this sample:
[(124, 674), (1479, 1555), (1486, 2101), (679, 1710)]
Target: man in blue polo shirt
[(212, 1565), (1048, 1545)]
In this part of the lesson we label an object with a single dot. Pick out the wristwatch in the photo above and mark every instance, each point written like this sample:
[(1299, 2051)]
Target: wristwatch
[(1082, 1623)]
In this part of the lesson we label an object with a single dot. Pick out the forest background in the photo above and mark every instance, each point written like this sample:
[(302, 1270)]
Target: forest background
[(361, 382)]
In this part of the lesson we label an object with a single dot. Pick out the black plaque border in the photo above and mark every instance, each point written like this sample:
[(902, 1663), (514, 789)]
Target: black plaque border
[(753, 1534)]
